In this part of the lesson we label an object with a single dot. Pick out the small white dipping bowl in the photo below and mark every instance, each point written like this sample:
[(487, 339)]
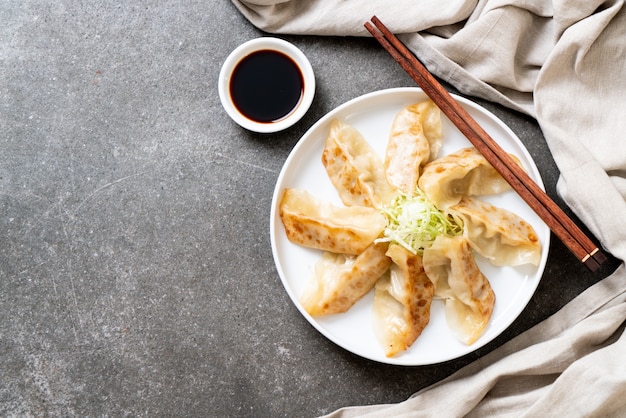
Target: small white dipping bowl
[(261, 44)]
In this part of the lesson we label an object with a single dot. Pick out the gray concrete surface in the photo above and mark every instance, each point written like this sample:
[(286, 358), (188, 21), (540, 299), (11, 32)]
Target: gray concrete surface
[(136, 275)]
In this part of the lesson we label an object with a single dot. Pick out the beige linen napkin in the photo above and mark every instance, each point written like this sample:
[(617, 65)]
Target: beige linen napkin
[(564, 63)]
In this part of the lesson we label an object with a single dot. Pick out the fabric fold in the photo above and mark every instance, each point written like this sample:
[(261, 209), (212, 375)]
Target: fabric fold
[(346, 18), (530, 374)]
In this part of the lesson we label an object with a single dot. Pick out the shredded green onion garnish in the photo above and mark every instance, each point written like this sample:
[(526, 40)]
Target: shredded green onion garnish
[(414, 222)]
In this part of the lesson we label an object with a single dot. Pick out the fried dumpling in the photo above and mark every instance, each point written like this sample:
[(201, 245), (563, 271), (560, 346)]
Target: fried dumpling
[(497, 234), (319, 224), (468, 297), (354, 167), (463, 173), (415, 138), (341, 280), (402, 301)]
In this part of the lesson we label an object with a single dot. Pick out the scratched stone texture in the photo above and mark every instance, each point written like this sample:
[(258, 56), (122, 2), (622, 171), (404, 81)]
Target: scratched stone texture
[(136, 275)]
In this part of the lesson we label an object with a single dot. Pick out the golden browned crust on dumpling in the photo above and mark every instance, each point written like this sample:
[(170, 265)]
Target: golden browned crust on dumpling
[(499, 235), (414, 139), (463, 173), (319, 224), (340, 280), (354, 167), (468, 296), (402, 301)]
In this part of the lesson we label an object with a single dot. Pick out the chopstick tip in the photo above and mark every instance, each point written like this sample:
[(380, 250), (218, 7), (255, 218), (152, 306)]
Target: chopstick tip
[(594, 259), (590, 263), (598, 256)]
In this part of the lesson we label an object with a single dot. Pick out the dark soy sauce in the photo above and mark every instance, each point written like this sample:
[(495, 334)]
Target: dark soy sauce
[(266, 86)]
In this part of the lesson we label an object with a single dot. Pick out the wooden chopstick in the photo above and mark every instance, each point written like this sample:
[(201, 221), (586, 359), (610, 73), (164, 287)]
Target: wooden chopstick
[(562, 226)]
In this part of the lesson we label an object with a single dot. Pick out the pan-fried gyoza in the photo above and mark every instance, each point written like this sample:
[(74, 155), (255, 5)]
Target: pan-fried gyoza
[(340, 280), (463, 173), (497, 234), (354, 168), (467, 294), (415, 139), (402, 301), (319, 224)]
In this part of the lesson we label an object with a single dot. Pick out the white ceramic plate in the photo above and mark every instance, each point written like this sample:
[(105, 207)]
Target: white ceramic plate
[(372, 114)]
